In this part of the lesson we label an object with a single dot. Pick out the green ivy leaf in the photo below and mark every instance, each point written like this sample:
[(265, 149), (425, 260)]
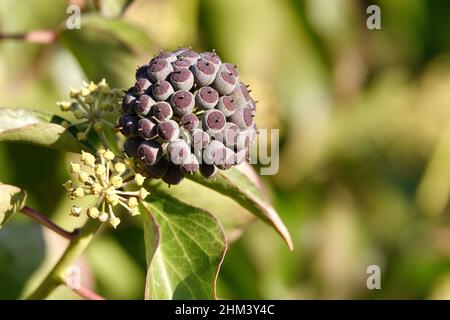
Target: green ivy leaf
[(236, 185), (12, 199), (36, 127), (123, 47), (185, 248)]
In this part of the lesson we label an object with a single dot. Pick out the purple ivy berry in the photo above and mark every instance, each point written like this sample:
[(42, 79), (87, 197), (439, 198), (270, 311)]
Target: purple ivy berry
[(162, 90), (206, 98), (159, 69), (182, 102), (213, 121), (144, 105), (226, 105), (182, 79), (149, 152), (147, 128), (190, 121)]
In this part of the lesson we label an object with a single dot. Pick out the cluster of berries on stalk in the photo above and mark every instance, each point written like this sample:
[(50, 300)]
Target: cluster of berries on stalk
[(187, 112)]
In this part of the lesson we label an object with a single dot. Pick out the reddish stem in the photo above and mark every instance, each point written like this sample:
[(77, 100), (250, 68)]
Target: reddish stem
[(33, 214)]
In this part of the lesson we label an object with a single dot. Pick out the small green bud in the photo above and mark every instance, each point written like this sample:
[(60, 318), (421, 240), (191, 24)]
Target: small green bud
[(75, 211), (139, 179), (79, 192), (81, 136), (116, 181), (75, 167), (93, 212), (143, 194), (119, 167), (132, 202)]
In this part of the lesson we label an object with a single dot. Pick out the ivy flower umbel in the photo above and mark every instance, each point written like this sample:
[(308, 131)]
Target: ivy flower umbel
[(92, 106), (105, 177)]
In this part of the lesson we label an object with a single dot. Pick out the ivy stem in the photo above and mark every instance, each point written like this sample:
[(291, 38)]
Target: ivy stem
[(37, 216), (75, 248), (87, 294)]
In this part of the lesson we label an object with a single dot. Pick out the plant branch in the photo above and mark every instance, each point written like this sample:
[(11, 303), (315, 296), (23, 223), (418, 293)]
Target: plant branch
[(87, 294), (36, 36), (35, 215), (58, 274)]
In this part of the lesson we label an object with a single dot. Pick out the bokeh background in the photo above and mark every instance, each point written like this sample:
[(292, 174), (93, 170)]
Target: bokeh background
[(364, 119)]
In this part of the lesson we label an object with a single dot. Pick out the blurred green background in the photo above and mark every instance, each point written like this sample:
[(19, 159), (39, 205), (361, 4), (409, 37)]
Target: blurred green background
[(364, 120)]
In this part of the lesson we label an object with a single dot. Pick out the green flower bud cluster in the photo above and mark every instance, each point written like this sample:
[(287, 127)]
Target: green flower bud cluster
[(94, 106), (104, 178)]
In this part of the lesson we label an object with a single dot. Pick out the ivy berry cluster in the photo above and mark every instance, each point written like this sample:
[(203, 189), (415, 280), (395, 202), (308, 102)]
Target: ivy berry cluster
[(187, 112)]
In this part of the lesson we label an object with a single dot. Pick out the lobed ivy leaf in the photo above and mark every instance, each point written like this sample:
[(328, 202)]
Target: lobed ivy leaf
[(38, 128), (12, 199), (236, 184), (185, 247)]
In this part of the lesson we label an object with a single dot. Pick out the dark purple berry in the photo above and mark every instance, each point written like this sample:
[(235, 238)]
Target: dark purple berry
[(228, 160), (208, 170), (131, 145), (181, 64), (159, 69), (206, 98), (162, 90), (169, 56), (182, 79), (159, 169), (204, 72), (230, 68), (142, 85), (162, 111), (149, 152), (174, 175), (213, 121), (243, 117), (128, 101), (141, 72), (182, 102), (147, 128), (189, 55), (190, 165), (178, 151), (225, 82), (187, 112), (226, 105), (190, 121), (144, 105), (212, 58), (128, 125)]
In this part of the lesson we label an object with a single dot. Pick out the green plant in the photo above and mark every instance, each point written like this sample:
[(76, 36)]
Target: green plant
[(185, 245)]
